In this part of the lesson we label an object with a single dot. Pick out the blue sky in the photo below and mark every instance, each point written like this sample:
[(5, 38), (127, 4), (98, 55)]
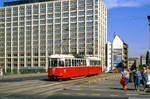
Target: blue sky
[(128, 18)]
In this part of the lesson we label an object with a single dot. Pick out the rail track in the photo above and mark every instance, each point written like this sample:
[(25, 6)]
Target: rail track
[(42, 87)]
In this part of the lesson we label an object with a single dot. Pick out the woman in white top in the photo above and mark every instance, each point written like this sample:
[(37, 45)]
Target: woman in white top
[(148, 82)]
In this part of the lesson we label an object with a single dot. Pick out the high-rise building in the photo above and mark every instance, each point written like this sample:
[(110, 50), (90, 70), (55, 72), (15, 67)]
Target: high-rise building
[(30, 32), (119, 53)]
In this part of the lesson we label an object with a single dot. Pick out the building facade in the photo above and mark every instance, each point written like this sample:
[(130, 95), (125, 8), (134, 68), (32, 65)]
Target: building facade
[(108, 56), (119, 53), (133, 62), (30, 32)]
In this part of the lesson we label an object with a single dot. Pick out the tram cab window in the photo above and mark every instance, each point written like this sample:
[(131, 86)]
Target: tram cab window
[(53, 62)]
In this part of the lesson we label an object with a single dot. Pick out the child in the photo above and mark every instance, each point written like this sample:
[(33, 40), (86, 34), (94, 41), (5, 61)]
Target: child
[(137, 78), (124, 78)]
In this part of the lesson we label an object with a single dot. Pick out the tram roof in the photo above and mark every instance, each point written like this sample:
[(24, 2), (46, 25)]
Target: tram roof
[(61, 56)]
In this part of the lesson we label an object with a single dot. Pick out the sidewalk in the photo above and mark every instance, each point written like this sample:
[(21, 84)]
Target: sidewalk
[(16, 76)]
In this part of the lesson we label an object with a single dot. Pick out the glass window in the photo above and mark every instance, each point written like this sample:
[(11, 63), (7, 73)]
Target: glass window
[(81, 18), (89, 24), (42, 21), (42, 11), (73, 19), (50, 5), (35, 22), (81, 24), (89, 7), (57, 26), (50, 21), (57, 14), (73, 13), (58, 31), (81, 7), (73, 25), (42, 17), (66, 9), (65, 14), (57, 20), (65, 20), (50, 27), (89, 12), (28, 23), (73, 31), (50, 15), (81, 2), (90, 18), (58, 10), (50, 11), (42, 6), (28, 18), (57, 4), (65, 3), (82, 13), (35, 17), (89, 1), (73, 8)]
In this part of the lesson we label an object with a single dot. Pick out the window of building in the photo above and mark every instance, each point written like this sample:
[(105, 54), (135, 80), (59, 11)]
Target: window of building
[(65, 14), (50, 11), (57, 15), (57, 20), (65, 4), (65, 20), (50, 5), (74, 19), (89, 18), (89, 12)]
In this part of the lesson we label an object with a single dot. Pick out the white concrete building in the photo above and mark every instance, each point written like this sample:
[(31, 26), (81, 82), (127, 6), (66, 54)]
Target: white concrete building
[(108, 56), (119, 53), (30, 32)]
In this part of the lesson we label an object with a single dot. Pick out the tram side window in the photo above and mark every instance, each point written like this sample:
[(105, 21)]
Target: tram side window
[(73, 63), (53, 63), (94, 63), (67, 62), (61, 63)]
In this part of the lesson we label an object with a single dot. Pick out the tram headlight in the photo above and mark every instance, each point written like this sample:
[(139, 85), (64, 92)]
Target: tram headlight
[(64, 70)]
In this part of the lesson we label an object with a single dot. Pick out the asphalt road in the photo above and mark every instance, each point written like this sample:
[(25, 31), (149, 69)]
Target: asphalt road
[(41, 88)]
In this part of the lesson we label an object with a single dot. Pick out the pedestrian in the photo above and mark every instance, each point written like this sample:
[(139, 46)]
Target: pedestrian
[(144, 74), (148, 81), (137, 79), (124, 80)]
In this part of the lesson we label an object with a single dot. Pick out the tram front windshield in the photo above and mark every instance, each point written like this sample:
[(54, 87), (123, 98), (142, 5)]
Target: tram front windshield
[(57, 62)]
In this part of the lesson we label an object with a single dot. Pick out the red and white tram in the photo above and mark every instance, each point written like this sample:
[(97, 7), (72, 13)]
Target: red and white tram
[(67, 66)]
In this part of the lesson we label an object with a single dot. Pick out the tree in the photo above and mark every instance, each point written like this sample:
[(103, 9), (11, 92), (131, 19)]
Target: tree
[(147, 58)]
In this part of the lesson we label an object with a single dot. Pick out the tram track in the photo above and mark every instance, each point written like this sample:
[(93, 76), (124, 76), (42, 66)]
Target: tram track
[(42, 87)]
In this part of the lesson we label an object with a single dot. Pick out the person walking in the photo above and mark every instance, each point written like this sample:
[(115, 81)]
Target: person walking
[(124, 80), (144, 74), (137, 79), (148, 81)]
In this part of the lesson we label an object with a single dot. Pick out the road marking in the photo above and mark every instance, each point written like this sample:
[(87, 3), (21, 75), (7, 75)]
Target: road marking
[(80, 94), (114, 95), (66, 93), (95, 94)]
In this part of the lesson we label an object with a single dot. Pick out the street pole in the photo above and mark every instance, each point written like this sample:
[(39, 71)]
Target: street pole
[(148, 17)]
